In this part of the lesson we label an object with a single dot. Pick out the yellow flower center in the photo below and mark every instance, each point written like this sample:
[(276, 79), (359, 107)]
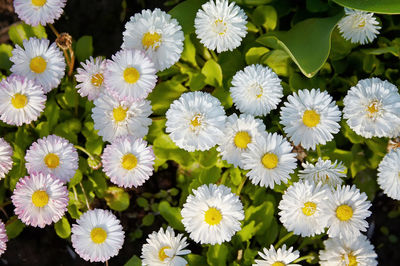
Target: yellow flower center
[(39, 2), (131, 75), (196, 121), (151, 40), (309, 208), (352, 260), (129, 161), (119, 113), (19, 100), (40, 198), (242, 138), (213, 216), (38, 64), (98, 235), (373, 108), (310, 118), (220, 26), (278, 263), (269, 160), (97, 79), (161, 254), (52, 160), (344, 212)]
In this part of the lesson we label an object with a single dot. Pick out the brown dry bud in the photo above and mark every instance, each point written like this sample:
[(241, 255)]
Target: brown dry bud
[(393, 144), (64, 41)]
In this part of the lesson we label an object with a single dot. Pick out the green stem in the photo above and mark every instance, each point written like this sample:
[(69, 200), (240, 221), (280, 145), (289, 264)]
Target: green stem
[(84, 150), (241, 185), (84, 194), (283, 239), (319, 151), (310, 256)]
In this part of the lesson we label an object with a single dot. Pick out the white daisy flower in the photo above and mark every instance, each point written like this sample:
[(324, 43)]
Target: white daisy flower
[(389, 174), (195, 121), (97, 236), (279, 257), (40, 199), (91, 76), (164, 248), (220, 25), (359, 26), (212, 215), (114, 118), (130, 75), (238, 134), (256, 90), (156, 33), (324, 171), (21, 100), (35, 12), (38, 61), (269, 160), (310, 118), (372, 108), (346, 210), (3, 238), (6, 161), (356, 251), (128, 161), (300, 208), (52, 155)]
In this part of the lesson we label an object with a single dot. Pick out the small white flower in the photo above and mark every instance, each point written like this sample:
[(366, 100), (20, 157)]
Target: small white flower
[(279, 257), (324, 171), (114, 118), (164, 248), (220, 25), (269, 160), (238, 134), (256, 90), (3, 238), (128, 161), (310, 117), (372, 108), (356, 251), (21, 100), (40, 199), (35, 12), (156, 33), (359, 26), (6, 161), (301, 206), (91, 76), (97, 236), (38, 61), (130, 75), (389, 174), (52, 155), (195, 121), (212, 215), (346, 210)]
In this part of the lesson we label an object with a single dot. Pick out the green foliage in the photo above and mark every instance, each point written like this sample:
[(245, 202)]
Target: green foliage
[(14, 227), (63, 228), (84, 48), (22, 31), (381, 6)]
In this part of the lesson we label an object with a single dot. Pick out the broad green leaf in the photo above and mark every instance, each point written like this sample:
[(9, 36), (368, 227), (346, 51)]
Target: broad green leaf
[(165, 149), (196, 260), (52, 112), (99, 183), (278, 61), (185, 12), (5, 54), (254, 55), (117, 199), (207, 158), (350, 134), (366, 181), (148, 219), (317, 6), (156, 129), (265, 16), (22, 31), (14, 227), (223, 94), (253, 2), (376, 6), (164, 94), (308, 43), (76, 179), (217, 255), (84, 47), (134, 261), (189, 50), (230, 62), (213, 73), (171, 214), (63, 228)]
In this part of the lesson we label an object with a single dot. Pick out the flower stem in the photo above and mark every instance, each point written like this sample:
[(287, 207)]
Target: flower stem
[(319, 151), (241, 185), (84, 151), (310, 256), (84, 194), (283, 239)]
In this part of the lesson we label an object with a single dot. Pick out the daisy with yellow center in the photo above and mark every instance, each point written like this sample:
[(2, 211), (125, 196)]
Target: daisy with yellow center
[(164, 248), (212, 215), (389, 174), (269, 159), (310, 118), (40, 199), (35, 12), (52, 155), (324, 171), (91, 77), (278, 257), (21, 100), (239, 132), (157, 34), (97, 235), (128, 161), (346, 210)]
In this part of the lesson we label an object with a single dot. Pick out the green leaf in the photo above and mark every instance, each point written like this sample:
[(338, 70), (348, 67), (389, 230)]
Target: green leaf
[(185, 12), (52, 112), (253, 2), (134, 261), (164, 148), (171, 214), (196, 260), (278, 61), (5, 54), (14, 227), (148, 220), (84, 47), (164, 94), (117, 199), (189, 51), (217, 255), (254, 54), (207, 158), (265, 16), (375, 6), (22, 31), (308, 43), (213, 73), (63, 228), (350, 134), (365, 180)]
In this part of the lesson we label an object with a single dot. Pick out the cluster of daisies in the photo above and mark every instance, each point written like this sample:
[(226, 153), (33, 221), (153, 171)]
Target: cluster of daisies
[(212, 214)]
